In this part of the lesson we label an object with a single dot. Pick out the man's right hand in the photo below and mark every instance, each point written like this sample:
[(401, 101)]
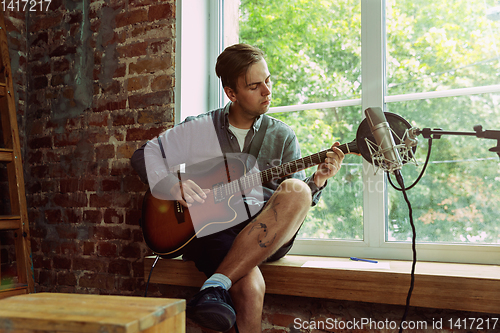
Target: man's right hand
[(187, 192)]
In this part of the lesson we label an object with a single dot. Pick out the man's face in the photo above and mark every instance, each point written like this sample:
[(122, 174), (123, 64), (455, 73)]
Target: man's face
[(253, 94)]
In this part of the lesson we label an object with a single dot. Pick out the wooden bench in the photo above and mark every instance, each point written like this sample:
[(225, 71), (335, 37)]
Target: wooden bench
[(50, 312), (463, 287)]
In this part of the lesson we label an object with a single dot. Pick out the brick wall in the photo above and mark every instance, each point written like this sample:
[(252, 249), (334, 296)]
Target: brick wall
[(100, 83)]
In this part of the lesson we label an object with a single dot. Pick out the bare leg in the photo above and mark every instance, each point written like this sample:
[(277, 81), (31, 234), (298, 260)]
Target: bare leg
[(271, 229), (248, 299)]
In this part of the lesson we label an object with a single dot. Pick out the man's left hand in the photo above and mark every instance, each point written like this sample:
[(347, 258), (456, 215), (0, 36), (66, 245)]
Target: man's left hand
[(330, 166)]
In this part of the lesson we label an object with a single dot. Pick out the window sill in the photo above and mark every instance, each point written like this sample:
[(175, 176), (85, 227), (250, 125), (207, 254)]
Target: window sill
[(464, 287)]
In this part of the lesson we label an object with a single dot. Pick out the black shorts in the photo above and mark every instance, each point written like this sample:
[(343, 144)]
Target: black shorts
[(208, 252)]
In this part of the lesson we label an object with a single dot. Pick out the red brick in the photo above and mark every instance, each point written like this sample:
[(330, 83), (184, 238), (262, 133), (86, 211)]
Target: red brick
[(133, 184), (40, 82), (120, 71), (119, 168), (106, 105), (132, 50), (130, 18), (112, 184), (88, 184), (53, 216), (132, 217), (57, 80), (106, 249), (159, 98), (110, 199), (162, 82), (138, 268), (160, 12), (120, 267), (46, 278), (60, 262), (61, 65), (68, 185), (127, 284), (141, 134), (125, 150), (111, 233), (105, 152), (63, 50), (98, 119), (99, 136), (66, 232), (35, 157), (113, 216), (69, 248), (40, 69), (137, 83), (97, 280), (75, 18), (39, 171), (88, 248), (132, 250), (122, 119), (151, 66), (45, 23), (162, 47), (115, 87), (41, 261), (66, 139), (50, 246), (92, 216), (66, 279), (88, 264), (71, 215), (78, 199)]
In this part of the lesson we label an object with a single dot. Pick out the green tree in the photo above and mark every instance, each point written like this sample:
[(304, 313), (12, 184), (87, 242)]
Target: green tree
[(313, 49)]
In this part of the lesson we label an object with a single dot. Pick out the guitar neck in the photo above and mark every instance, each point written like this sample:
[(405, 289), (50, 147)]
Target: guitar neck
[(292, 167)]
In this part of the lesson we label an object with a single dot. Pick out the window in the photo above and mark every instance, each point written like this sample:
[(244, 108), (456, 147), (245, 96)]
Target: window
[(436, 65)]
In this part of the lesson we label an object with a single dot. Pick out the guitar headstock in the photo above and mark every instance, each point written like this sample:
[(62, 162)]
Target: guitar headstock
[(350, 148)]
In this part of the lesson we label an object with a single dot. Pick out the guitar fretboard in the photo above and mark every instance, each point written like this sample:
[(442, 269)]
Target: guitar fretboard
[(283, 170)]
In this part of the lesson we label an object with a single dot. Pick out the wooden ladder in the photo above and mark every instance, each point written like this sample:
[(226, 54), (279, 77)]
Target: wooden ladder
[(10, 155)]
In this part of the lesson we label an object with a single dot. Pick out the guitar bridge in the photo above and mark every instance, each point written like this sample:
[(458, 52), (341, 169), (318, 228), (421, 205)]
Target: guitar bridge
[(217, 190), (179, 212)]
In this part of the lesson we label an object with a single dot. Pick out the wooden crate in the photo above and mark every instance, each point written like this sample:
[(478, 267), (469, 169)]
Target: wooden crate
[(51, 312)]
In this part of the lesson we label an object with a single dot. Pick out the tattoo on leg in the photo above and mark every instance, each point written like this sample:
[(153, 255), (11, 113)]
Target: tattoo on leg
[(262, 238), (263, 243), (272, 204)]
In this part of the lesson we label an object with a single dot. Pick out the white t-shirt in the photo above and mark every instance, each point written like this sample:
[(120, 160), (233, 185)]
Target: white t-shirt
[(240, 134)]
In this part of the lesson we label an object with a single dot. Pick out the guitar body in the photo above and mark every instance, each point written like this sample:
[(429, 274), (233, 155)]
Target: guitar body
[(168, 226)]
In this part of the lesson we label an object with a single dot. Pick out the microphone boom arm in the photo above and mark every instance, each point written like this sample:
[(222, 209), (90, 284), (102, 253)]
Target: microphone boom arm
[(436, 133)]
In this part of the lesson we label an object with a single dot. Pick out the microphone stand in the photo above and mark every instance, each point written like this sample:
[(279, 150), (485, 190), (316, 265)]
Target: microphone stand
[(436, 133)]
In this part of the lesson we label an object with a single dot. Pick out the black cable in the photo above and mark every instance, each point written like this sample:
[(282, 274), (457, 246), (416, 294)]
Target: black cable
[(414, 263), (421, 172), (149, 277)]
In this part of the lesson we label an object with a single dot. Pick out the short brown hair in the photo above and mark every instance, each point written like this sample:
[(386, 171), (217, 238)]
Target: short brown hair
[(234, 61)]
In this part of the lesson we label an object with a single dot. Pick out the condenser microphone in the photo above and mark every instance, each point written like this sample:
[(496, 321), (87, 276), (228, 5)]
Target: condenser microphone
[(382, 133)]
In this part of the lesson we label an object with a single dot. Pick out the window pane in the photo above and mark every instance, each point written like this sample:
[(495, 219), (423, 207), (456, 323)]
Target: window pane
[(339, 213), (458, 199), (313, 48), (441, 45)]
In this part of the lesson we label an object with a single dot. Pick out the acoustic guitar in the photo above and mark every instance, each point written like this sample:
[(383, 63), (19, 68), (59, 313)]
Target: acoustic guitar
[(168, 226)]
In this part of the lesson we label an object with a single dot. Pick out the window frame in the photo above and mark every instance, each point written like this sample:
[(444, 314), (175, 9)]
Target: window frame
[(373, 53)]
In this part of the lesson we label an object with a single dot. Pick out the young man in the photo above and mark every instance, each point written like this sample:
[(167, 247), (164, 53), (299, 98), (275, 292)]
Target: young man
[(230, 255)]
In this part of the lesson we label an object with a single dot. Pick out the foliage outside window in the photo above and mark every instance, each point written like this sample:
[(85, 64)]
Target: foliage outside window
[(313, 49)]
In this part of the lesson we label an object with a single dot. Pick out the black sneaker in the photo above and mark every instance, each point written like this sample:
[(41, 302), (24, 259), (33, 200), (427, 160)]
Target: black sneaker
[(212, 308)]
